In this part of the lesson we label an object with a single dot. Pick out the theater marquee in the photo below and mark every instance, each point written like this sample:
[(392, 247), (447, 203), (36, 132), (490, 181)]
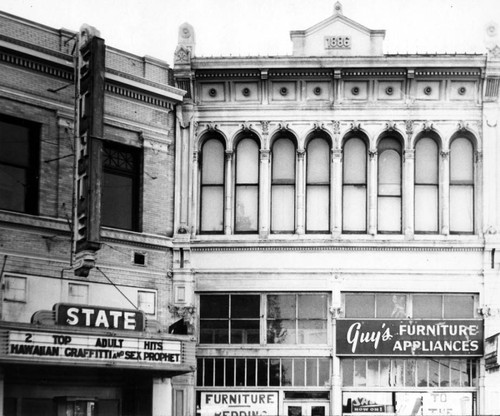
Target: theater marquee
[(410, 337)]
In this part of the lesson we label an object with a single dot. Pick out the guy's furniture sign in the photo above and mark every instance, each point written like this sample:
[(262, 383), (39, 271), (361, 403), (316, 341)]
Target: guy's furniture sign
[(410, 337), (239, 403)]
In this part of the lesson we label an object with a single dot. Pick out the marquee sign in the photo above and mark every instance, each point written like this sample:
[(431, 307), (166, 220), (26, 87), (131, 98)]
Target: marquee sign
[(99, 317), (410, 337), (95, 348), (240, 403)]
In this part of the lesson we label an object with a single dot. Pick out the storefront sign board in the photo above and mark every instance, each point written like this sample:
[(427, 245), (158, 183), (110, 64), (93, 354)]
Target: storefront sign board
[(410, 337), (257, 403)]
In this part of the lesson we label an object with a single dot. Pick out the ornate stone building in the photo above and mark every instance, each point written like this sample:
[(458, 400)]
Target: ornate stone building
[(336, 224)]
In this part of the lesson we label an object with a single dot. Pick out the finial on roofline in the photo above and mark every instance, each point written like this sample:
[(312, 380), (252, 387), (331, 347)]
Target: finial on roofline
[(337, 9)]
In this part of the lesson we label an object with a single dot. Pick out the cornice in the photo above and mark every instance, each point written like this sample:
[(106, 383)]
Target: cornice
[(142, 240), (133, 94), (298, 248)]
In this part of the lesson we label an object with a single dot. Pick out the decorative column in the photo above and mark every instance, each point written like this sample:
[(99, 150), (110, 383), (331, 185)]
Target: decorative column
[(372, 192), (336, 192), (264, 192), (300, 211), (228, 203), (162, 396), (445, 192), (194, 200), (409, 192), (478, 192)]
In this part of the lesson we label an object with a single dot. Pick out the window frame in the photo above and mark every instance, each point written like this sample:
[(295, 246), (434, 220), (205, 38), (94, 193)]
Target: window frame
[(246, 184), (355, 185), (318, 184), (203, 185), (137, 182), (435, 186), (399, 151), (283, 183), (32, 170)]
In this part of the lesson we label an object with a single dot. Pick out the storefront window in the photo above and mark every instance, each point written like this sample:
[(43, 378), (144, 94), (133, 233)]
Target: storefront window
[(263, 372), (369, 305)]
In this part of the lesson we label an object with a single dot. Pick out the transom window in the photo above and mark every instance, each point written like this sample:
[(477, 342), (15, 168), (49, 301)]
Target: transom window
[(421, 372), (287, 318), (19, 165), (265, 372), (404, 305), (120, 190)]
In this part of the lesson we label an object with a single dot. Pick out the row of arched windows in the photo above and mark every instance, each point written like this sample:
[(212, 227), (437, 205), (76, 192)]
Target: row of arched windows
[(300, 185)]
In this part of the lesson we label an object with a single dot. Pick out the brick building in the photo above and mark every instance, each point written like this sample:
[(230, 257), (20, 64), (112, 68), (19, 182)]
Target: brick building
[(86, 333)]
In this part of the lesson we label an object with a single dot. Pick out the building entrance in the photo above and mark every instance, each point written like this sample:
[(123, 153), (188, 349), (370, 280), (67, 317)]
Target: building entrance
[(298, 408)]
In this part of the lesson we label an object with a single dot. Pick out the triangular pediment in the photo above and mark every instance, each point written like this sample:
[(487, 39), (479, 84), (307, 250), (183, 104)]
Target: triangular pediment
[(337, 35)]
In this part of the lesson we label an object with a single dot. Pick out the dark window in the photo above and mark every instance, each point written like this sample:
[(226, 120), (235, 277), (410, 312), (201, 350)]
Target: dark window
[(120, 188), (231, 319), (19, 166)]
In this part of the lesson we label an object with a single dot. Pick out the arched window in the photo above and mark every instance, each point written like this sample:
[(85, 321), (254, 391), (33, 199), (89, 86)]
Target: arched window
[(283, 186), (461, 186), (354, 186), (426, 186), (389, 186), (212, 187), (318, 186), (247, 186)]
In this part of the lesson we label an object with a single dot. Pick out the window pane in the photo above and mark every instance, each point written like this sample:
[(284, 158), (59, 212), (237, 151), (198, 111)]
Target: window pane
[(347, 372), (283, 208), (354, 209), (391, 306), (354, 161), (247, 162), (461, 209), (324, 371), (389, 214), (287, 372), (311, 372), (274, 372), (212, 204), (312, 306), (262, 370), (426, 208), (422, 377), (312, 332), (209, 372), (212, 167), (410, 372), (281, 306), (398, 372), (461, 166), (389, 173), (117, 201), (240, 371), (283, 160), (433, 373), (359, 306), (219, 372), (427, 306), (318, 208), (245, 332), (281, 332), (199, 371), (372, 373), (360, 372), (247, 208), (444, 373), (318, 161), (426, 162), (214, 332), (385, 372), (299, 372), (230, 372), (13, 182), (251, 371), (458, 306), (245, 306), (14, 143), (214, 306)]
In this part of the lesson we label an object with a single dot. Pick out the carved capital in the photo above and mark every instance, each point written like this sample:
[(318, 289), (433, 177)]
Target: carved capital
[(462, 126), (246, 126), (488, 311), (264, 154), (319, 126), (409, 154), (336, 155), (355, 126), (390, 126), (373, 154), (265, 127), (336, 126), (409, 127), (427, 126), (445, 154), (301, 153), (283, 126), (336, 312), (229, 155), (196, 155), (479, 156)]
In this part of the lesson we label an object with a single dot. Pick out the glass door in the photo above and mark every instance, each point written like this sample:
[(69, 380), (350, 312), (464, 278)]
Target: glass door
[(306, 409)]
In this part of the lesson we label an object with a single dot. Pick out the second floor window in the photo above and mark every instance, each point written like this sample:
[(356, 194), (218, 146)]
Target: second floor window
[(247, 186), (389, 186), (283, 186), (19, 153), (354, 202), (120, 189)]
